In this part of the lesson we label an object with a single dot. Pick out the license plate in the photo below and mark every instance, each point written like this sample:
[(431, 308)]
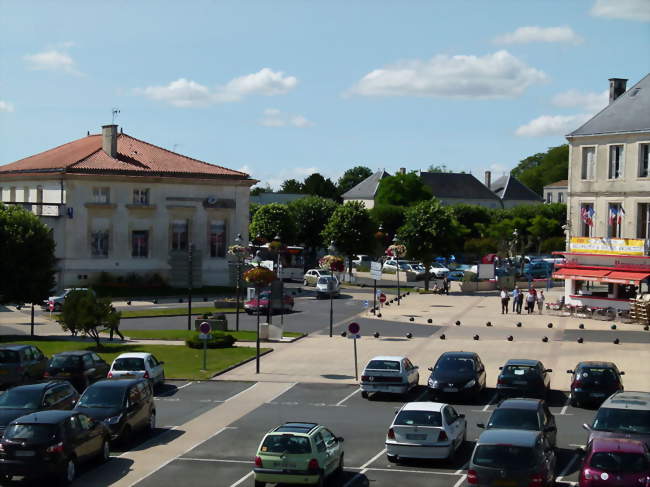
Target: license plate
[(416, 437), (128, 376), (519, 382), (25, 453), (63, 374), (450, 389)]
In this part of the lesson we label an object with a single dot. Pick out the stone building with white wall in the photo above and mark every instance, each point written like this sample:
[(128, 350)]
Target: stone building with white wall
[(119, 205)]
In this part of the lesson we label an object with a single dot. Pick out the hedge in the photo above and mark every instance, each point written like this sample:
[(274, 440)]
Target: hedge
[(218, 339)]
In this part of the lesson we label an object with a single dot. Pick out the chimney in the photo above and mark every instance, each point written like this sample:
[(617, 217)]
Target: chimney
[(402, 170), (488, 179), (109, 140), (617, 87)]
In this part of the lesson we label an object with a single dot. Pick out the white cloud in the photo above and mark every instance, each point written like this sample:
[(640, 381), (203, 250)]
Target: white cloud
[(498, 168), (188, 93), (524, 35), (497, 75), (552, 125), (275, 178), (275, 118), (589, 101), (52, 60), (5, 106), (622, 9)]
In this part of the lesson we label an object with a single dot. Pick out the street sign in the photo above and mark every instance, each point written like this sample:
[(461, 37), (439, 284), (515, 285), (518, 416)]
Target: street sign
[(205, 328), (375, 270), (355, 337), (205, 336), (382, 298), (353, 332), (365, 304), (51, 306), (354, 328)]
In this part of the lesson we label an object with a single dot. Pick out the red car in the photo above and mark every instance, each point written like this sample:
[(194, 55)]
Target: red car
[(615, 462), (251, 305)]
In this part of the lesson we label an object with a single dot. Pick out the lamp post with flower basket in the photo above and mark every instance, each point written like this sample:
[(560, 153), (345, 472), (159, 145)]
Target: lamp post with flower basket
[(259, 277), (239, 252), (396, 250), (333, 263)]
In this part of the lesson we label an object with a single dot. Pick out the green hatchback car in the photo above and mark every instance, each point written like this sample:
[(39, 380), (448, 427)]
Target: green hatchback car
[(298, 453)]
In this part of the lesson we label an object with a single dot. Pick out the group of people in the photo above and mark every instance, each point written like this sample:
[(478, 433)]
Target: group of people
[(532, 297), (442, 288)]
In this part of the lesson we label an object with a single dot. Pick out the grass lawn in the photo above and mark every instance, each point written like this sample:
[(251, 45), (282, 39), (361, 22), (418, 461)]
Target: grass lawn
[(145, 313), (180, 362), (241, 336)]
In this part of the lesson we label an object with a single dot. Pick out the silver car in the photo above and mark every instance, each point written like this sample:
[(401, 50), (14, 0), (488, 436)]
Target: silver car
[(623, 415), (327, 286)]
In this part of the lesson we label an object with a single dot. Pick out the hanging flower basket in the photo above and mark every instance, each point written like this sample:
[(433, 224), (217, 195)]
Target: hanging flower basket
[(238, 251), (332, 263), (275, 245), (396, 250), (259, 276)]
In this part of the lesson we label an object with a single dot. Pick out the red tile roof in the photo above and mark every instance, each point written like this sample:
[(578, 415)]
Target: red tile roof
[(563, 182), (134, 157)]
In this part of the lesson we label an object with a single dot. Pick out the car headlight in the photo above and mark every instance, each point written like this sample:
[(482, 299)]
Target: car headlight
[(433, 383), (471, 383), (113, 419)]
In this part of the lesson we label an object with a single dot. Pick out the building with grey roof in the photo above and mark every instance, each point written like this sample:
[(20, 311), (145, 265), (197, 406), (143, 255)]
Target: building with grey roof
[(512, 192), (452, 188), (366, 190)]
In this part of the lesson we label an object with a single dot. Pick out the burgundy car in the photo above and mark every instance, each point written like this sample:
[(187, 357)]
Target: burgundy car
[(615, 462), (252, 304)]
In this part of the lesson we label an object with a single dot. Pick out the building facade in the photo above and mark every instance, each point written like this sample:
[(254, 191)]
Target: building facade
[(556, 192), (366, 190), (511, 191)]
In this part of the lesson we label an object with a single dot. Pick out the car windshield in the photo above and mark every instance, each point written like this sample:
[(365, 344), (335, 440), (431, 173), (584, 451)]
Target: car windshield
[(419, 418), (622, 420), (34, 433), (65, 361), (404, 267), (383, 365), (593, 374), (324, 273), (454, 364), (286, 443), (620, 462), (102, 397), (519, 371), (20, 399), (517, 419), (504, 456), (9, 357), (324, 280), (130, 363)]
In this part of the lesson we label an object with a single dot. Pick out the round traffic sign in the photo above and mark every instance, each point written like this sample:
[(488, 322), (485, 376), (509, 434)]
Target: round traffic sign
[(354, 328), (205, 327), (382, 298)]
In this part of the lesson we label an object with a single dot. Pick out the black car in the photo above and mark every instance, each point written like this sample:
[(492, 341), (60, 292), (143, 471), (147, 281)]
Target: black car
[(52, 444), (457, 373), (81, 368), (21, 364), (21, 400), (523, 377), (124, 405), (593, 382), (524, 414)]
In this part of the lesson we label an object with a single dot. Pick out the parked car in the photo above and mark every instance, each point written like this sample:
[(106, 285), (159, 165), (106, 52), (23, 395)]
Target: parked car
[(390, 265), (59, 300), (393, 374), (361, 260), (138, 364), (285, 304), (538, 269), (516, 458), (425, 430), (593, 382), (20, 364), (311, 276), (523, 377), (456, 275), (298, 453), (524, 414), (457, 373), (615, 462), (125, 406), (438, 270), (623, 415), (327, 286), (80, 368), (416, 268), (21, 400), (52, 444)]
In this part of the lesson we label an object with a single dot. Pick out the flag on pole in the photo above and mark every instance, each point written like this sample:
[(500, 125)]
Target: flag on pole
[(612, 215), (590, 215), (621, 214)]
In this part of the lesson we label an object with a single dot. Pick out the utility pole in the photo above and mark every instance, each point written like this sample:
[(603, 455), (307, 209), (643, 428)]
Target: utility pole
[(190, 261)]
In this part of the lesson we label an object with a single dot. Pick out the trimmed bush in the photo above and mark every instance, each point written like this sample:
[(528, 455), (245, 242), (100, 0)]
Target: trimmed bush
[(218, 340), (469, 277)]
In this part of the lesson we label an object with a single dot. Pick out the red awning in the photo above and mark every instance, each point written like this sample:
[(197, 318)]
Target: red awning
[(580, 274), (625, 277)]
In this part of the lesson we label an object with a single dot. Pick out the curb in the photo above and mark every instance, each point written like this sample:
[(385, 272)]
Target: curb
[(243, 362), (175, 315)]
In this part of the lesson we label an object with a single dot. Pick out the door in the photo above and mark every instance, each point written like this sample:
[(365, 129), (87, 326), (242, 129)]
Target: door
[(40, 362), (549, 425), (480, 372), (332, 448), (453, 426), (156, 370), (77, 438), (94, 438), (101, 367), (49, 399), (89, 370), (135, 413)]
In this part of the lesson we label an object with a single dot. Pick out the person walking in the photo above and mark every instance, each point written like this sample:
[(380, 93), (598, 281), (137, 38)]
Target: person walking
[(445, 285), (520, 301), (540, 301), (530, 301), (515, 296), (504, 301)]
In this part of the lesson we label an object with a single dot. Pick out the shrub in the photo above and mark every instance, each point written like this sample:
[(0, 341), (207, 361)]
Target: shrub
[(469, 276), (552, 244), (218, 339)]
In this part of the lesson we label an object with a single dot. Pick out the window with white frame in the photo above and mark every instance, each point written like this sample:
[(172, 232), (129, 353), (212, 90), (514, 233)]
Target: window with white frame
[(586, 219), (217, 238), (643, 220), (99, 237), (549, 197), (140, 243), (102, 195), (615, 216), (615, 162), (141, 196), (179, 235), (644, 165), (588, 163)]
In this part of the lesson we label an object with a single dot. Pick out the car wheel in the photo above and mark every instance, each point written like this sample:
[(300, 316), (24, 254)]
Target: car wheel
[(304, 283), (127, 436), (364, 394), (249, 312), (321, 480), (69, 472), (574, 402), (339, 469), (391, 458), (105, 452), (151, 424)]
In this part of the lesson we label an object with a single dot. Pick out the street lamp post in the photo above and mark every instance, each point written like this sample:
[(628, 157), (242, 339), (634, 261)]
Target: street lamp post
[(397, 261), (331, 250), (279, 274), (256, 260), (190, 262), (238, 291)]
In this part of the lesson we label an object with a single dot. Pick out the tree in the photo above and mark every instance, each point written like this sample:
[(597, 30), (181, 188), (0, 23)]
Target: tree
[(351, 178), (310, 215), (258, 190), (84, 313), (351, 229), (429, 230), (316, 185), (271, 220), (27, 262), (402, 190), (390, 218), (292, 186), (471, 215), (543, 168), (252, 209), (541, 228)]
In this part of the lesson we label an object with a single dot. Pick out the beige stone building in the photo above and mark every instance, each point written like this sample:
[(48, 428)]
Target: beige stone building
[(123, 206)]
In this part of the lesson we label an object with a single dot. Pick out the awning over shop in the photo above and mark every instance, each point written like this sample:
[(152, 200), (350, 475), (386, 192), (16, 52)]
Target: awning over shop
[(626, 277), (601, 275)]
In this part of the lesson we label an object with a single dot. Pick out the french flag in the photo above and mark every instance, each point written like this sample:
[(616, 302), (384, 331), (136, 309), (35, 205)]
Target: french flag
[(612, 215), (590, 215), (621, 214)]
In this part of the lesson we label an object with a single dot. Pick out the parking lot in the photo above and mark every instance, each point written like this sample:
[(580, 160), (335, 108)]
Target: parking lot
[(226, 458)]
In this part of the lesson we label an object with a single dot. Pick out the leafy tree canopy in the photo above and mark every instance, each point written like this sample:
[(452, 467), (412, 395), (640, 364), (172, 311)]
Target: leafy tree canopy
[(543, 168), (271, 220), (441, 168), (310, 215), (84, 313), (316, 185), (351, 229), (352, 177), (471, 215), (402, 190), (292, 186), (258, 190)]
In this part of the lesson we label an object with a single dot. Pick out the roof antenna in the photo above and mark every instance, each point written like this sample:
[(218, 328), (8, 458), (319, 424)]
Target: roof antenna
[(116, 112)]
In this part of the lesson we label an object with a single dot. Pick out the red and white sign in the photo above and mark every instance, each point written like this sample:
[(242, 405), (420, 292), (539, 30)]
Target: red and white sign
[(354, 328), (205, 327), (50, 305), (382, 298)]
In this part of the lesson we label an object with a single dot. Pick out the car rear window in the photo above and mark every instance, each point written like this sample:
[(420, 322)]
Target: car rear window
[(286, 443), (419, 418), (66, 361), (619, 462), (20, 399), (33, 433), (598, 374), (622, 420), (519, 419), (383, 365), (519, 370), (504, 456), (131, 363), (9, 357)]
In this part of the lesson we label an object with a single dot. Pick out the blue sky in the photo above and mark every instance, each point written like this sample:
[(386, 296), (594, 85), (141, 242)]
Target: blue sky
[(284, 88)]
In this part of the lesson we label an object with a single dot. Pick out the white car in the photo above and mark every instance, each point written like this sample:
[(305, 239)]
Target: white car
[(393, 374), (425, 430), (391, 265), (327, 286), (138, 364), (438, 270), (312, 275)]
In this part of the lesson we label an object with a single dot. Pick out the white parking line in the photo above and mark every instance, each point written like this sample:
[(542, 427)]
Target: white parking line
[(566, 405), (490, 402), (189, 459), (241, 392), (243, 479), (364, 468), (400, 470), (460, 481), (184, 386), (279, 394), (566, 469), (348, 397), (462, 469)]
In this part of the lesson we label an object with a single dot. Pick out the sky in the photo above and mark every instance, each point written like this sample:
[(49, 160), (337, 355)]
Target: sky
[(284, 88)]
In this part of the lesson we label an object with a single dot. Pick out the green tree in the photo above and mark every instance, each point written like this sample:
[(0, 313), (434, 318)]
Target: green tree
[(351, 229), (390, 218), (27, 262), (402, 190), (429, 230), (471, 215), (252, 209), (292, 186), (541, 228), (351, 178), (84, 313), (258, 190), (543, 168), (271, 220), (310, 215), (317, 185)]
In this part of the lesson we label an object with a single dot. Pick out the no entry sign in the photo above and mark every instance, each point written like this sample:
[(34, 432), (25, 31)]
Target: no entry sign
[(354, 328), (382, 298), (205, 327)]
